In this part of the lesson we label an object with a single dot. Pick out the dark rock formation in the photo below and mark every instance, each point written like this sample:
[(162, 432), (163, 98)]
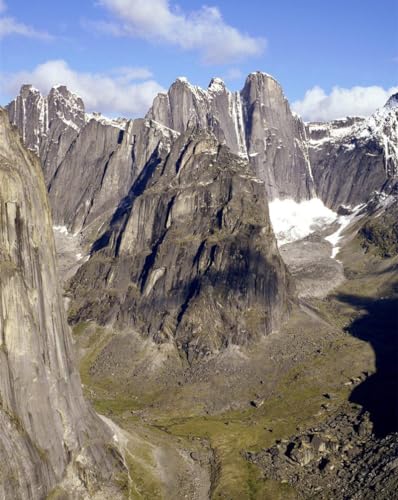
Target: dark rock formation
[(354, 158), (340, 459), (49, 436), (190, 256)]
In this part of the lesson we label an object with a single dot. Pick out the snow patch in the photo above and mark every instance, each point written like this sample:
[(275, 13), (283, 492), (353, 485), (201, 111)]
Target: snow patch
[(120, 123), (344, 221), (217, 85), (293, 220), (61, 229)]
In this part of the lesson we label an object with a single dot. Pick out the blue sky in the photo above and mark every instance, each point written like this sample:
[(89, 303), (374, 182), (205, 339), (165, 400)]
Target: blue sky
[(331, 58)]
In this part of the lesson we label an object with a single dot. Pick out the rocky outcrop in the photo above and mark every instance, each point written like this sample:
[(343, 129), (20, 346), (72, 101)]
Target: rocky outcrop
[(190, 257), (340, 459), (89, 161), (256, 123), (354, 158), (49, 436), (48, 124), (379, 231), (99, 169)]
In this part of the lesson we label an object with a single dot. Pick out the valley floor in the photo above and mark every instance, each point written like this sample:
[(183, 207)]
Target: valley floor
[(212, 429)]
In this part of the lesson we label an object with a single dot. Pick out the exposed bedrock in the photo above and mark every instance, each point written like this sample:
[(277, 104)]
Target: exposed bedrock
[(48, 433), (191, 256)]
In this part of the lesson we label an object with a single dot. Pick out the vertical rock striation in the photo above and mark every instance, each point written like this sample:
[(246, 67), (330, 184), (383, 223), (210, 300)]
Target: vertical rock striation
[(89, 161), (256, 123), (48, 125), (192, 258), (355, 157), (48, 436)]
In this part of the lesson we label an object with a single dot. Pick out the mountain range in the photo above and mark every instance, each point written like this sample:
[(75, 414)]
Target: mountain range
[(176, 285)]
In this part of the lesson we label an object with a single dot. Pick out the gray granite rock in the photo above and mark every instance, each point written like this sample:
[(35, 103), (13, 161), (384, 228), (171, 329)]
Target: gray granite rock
[(49, 435), (191, 257)]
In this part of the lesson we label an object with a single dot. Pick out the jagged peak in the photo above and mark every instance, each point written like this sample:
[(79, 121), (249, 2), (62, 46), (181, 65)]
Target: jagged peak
[(392, 101), (27, 89), (217, 85), (64, 91), (182, 79), (262, 80), (262, 75)]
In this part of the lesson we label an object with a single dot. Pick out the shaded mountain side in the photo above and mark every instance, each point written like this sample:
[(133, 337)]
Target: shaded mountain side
[(191, 258), (381, 232), (354, 158), (49, 436)]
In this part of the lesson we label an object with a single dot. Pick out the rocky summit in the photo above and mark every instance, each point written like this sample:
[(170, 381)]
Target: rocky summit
[(229, 274)]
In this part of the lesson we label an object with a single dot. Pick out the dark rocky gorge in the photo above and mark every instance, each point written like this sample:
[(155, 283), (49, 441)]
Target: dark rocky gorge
[(232, 368)]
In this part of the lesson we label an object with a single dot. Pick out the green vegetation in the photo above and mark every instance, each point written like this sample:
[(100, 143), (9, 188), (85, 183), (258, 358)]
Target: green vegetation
[(296, 401), (381, 233)]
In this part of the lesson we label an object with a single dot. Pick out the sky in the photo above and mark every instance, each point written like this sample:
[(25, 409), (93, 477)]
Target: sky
[(332, 58)]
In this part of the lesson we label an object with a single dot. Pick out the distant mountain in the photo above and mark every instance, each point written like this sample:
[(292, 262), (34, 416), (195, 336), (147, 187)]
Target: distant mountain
[(355, 158), (256, 123)]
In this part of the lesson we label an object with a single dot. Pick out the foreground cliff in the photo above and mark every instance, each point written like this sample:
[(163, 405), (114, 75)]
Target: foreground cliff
[(190, 257), (49, 437)]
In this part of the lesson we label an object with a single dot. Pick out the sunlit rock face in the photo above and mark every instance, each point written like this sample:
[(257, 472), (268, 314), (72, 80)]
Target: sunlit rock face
[(256, 123), (89, 161), (191, 259), (48, 435)]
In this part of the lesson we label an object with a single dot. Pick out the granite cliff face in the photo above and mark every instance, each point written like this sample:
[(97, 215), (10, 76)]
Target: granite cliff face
[(89, 162), (190, 257), (112, 158), (356, 157), (100, 158), (49, 436), (48, 125), (256, 123)]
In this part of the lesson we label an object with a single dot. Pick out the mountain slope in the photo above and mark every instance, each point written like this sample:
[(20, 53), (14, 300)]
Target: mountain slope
[(191, 258), (354, 158), (48, 433)]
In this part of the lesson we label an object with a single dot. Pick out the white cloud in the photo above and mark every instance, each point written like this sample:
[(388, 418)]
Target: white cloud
[(10, 26), (114, 93), (203, 30), (356, 101)]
